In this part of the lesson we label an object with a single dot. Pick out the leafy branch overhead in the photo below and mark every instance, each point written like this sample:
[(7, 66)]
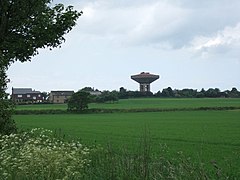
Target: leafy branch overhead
[(27, 25)]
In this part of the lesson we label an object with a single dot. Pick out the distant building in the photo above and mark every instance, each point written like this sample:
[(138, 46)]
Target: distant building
[(21, 95), (60, 97), (95, 93), (144, 79)]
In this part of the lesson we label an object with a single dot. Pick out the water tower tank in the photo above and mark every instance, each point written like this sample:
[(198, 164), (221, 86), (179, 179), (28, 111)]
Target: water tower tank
[(145, 79)]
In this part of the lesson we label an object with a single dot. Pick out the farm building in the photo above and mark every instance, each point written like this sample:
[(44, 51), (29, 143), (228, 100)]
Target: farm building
[(60, 97), (22, 95)]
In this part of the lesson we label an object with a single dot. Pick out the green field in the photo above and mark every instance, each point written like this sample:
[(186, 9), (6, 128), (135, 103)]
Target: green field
[(202, 135), (147, 103)]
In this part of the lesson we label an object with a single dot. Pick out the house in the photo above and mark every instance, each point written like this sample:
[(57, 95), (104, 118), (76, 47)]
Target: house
[(95, 93), (26, 95), (58, 97)]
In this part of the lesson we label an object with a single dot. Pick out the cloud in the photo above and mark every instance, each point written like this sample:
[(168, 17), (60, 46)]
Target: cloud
[(158, 23), (145, 22), (130, 24), (225, 40)]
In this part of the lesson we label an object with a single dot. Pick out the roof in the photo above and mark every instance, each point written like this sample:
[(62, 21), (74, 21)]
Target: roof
[(145, 77), (62, 93), (24, 91), (145, 74)]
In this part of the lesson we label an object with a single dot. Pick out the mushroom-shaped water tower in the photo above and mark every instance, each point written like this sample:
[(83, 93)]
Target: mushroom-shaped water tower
[(145, 79)]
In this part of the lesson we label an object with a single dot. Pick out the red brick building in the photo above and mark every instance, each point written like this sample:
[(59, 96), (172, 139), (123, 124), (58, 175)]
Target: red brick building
[(21, 95)]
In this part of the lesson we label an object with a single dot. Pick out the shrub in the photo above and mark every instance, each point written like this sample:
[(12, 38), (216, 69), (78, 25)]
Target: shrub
[(39, 155)]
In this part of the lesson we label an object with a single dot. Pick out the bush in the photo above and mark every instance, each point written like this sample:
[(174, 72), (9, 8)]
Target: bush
[(39, 155)]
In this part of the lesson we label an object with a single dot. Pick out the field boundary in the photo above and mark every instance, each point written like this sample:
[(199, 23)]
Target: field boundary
[(96, 110)]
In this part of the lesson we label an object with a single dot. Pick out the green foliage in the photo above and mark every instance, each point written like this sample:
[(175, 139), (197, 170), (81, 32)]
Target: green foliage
[(193, 93), (26, 26), (184, 93), (107, 96), (79, 101), (39, 155), (7, 124), (88, 89)]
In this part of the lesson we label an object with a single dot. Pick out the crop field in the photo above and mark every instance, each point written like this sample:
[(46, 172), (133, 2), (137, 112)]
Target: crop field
[(202, 135), (147, 103)]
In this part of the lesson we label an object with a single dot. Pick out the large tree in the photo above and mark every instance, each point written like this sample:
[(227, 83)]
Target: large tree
[(79, 101), (25, 27)]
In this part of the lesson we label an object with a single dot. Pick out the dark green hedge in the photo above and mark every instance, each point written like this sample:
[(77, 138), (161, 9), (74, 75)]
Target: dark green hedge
[(89, 111)]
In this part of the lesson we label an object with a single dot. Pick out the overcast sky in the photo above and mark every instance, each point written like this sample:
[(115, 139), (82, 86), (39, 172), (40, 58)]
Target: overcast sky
[(189, 43)]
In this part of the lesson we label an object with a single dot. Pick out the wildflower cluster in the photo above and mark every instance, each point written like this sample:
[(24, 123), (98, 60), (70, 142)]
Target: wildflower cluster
[(39, 155)]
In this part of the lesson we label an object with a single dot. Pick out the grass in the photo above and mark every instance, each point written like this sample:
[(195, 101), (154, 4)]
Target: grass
[(42, 154), (168, 103), (147, 103), (202, 135), (42, 107)]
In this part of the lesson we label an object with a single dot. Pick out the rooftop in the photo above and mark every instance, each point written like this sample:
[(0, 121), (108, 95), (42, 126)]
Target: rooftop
[(145, 77), (62, 93), (24, 91)]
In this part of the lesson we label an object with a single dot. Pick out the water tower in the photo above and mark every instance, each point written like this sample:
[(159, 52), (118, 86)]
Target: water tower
[(145, 79)]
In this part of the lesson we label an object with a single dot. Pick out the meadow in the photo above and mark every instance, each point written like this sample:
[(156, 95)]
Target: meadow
[(204, 136), (138, 103)]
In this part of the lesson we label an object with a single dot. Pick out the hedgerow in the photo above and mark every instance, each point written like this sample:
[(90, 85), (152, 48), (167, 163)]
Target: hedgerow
[(95, 110)]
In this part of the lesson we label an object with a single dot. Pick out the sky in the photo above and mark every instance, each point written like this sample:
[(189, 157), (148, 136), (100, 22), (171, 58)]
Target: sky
[(190, 44)]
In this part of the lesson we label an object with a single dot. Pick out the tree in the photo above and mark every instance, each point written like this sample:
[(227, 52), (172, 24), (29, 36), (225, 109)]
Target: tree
[(213, 93), (25, 27), (79, 101), (167, 92), (88, 89), (7, 125), (234, 93), (123, 94), (107, 96)]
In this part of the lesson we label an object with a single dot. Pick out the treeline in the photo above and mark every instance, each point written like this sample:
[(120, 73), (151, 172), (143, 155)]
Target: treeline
[(192, 93), (112, 96)]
